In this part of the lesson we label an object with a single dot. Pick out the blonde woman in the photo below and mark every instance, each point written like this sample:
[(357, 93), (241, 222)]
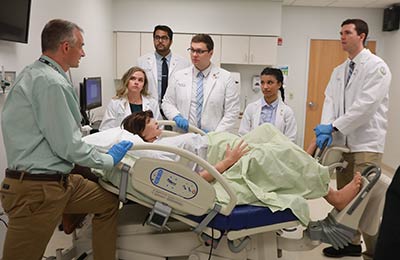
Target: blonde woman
[(132, 96)]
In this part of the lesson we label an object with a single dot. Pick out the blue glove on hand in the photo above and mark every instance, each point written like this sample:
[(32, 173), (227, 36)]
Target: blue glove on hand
[(181, 122), (322, 138), (323, 129), (118, 151), (205, 131)]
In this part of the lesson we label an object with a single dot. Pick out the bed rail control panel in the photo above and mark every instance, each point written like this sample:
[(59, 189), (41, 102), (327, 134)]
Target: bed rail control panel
[(174, 183)]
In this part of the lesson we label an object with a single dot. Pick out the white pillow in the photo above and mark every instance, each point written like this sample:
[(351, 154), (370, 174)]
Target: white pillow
[(106, 139)]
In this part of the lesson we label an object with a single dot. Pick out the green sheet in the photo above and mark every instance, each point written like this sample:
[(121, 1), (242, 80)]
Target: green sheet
[(275, 173)]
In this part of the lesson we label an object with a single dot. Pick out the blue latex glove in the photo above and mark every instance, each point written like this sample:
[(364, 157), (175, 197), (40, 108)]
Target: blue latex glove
[(323, 129), (205, 131), (118, 151), (322, 138), (182, 122)]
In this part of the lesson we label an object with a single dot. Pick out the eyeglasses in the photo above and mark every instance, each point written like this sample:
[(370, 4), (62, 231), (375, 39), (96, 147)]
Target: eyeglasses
[(198, 51), (161, 38)]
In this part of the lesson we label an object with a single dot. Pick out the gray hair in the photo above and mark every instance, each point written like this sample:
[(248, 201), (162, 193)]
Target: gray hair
[(57, 31)]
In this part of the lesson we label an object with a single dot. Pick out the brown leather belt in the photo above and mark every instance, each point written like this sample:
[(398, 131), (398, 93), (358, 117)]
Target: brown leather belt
[(21, 175)]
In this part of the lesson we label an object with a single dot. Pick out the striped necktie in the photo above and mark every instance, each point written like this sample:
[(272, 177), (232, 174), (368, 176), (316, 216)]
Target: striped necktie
[(199, 97), (351, 68)]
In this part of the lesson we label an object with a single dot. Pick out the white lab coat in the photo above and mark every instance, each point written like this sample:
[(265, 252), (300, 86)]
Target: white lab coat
[(221, 99), (149, 64), (284, 121), (359, 110), (119, 108)]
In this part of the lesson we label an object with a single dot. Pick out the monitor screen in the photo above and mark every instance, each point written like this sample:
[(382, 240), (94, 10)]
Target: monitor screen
[(14, 20), (91, 93)]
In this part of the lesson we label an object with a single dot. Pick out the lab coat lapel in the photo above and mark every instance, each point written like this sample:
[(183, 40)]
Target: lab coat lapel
[(188, 83), (209, 84), (279, 115), (172, 65), (153, 65), (257, 114), (341, 79)]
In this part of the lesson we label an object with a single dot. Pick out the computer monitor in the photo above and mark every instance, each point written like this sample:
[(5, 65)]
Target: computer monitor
[(90, 96), (90, 93)]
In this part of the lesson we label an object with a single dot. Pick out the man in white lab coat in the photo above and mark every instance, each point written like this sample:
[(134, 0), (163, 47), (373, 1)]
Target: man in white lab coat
[(355, 112), (203, 95), (161, 64)]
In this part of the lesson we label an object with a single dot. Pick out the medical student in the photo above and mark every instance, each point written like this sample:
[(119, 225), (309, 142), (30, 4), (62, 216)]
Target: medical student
[(203, 94), (42, 139), (270, 108), (161, 64), (355, 113), (132, 96)]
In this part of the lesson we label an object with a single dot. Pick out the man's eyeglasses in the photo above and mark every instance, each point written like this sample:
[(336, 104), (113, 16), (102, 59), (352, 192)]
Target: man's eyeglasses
[(197, 51), (161, 38)]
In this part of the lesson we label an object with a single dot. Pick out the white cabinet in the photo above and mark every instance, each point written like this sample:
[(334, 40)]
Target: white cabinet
[(127, 50), (216, 58), (257, 50)]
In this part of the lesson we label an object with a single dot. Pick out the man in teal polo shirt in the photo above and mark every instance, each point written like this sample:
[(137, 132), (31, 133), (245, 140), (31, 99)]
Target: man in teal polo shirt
[(41, 131)]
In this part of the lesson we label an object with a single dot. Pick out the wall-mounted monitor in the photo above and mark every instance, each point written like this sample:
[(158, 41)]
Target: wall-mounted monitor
[(14, 20)]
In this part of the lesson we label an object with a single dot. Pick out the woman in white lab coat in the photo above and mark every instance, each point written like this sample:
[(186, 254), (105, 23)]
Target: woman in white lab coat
[(270, 108), (132, 96)]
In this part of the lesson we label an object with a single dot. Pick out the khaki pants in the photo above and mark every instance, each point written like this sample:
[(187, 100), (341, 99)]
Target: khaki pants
[(34, 209), (357, 163)]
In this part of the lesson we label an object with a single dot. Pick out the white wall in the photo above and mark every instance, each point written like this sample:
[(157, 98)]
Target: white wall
[(256, 17), (392, 56)]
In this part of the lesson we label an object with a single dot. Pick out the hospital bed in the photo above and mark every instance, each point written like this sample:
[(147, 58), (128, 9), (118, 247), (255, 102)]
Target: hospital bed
[(183, 221)]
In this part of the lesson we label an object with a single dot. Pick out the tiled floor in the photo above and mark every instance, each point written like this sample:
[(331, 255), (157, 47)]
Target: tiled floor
[(318, 208)]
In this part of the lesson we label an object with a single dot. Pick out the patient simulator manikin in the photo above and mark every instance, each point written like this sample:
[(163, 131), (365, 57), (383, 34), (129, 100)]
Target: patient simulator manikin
[(144, 125), (262, 169)]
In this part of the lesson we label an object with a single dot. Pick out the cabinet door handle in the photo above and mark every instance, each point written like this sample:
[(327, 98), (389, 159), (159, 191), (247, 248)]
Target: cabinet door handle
[(245, 57)]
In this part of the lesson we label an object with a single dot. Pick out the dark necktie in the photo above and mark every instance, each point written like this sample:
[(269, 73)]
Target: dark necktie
[(351, 68), (164, 77)]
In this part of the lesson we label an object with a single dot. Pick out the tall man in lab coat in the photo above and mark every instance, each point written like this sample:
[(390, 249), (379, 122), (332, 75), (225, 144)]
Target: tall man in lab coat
[(203, 95), (153, 62), (355, 112)]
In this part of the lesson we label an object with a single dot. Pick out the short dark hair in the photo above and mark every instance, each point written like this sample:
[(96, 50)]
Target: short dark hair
[(136, 122), (57, 31), (165, 29), (205, 38), (361, 26), (277, 73)]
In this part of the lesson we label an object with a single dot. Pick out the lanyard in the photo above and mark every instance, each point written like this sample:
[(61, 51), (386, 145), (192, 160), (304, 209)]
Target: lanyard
[(49, 64)]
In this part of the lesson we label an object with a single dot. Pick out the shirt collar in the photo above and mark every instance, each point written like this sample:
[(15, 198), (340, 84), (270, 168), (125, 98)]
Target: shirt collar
[(357, 59), (159, 57), (54, 65), (205, 72), (273, 105)]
